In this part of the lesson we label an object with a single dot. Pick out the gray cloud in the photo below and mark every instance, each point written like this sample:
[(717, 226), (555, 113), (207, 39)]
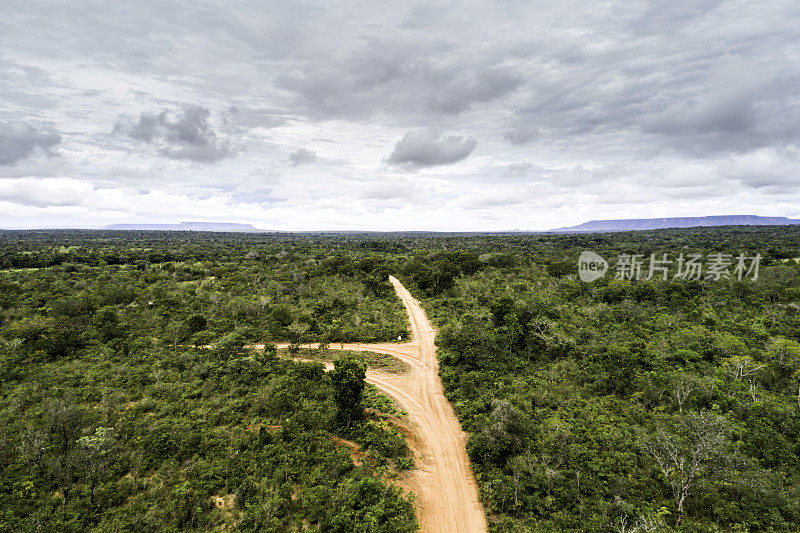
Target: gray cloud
[(521, 133), (301, 156), (394, 190), (243, 118), (766, 170), (609, 102), (404, 76), (732, 114), (518, 170), (426, 148), (670, 90), (186, 134), (25, 87), (19, 140)]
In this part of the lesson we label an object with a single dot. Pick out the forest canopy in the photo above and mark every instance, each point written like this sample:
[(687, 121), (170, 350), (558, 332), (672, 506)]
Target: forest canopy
[(132, 401)]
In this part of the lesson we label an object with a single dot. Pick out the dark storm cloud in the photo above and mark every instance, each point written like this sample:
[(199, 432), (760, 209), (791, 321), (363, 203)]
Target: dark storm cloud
[(426, 148), (186, 134), (302, 156), (19, 140)]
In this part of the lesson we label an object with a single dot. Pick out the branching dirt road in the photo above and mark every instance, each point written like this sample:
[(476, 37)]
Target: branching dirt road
[(443, 481)]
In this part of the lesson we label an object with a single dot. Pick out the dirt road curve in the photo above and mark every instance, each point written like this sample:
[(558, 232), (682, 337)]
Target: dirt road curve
[(443, 481)]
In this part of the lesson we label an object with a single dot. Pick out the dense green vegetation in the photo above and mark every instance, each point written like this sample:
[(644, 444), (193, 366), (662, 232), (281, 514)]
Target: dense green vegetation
[(113, 422), (625, 405), (195, 292), (611, 406)]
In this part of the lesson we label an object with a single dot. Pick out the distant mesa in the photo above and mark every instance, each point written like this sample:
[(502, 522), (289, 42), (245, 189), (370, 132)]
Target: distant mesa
[(637, 224), (188, 226)]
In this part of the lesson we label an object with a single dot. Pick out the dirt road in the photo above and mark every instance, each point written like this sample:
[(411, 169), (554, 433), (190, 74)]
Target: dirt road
[(443, 481)]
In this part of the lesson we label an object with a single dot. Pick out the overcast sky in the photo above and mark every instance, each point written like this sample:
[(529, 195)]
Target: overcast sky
[(397, 116)]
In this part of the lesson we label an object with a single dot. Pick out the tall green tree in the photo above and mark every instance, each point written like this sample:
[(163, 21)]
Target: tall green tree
[(348, 376)]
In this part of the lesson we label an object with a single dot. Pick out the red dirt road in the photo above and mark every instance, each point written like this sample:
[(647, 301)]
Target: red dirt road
[(443, 481)]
